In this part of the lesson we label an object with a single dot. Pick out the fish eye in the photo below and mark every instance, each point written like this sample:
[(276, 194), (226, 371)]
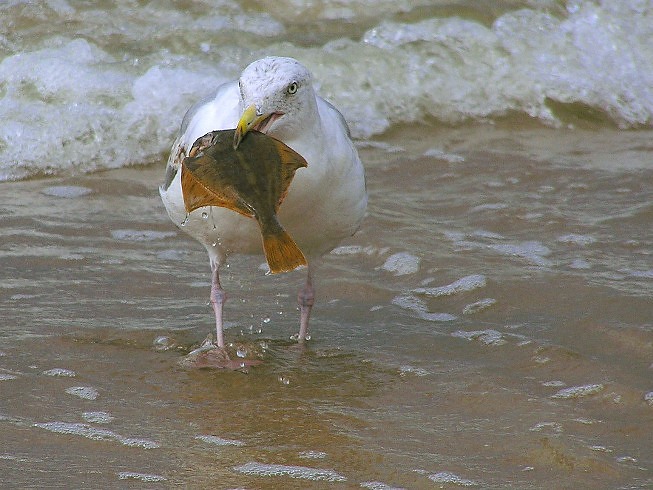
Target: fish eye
[(292, 88)]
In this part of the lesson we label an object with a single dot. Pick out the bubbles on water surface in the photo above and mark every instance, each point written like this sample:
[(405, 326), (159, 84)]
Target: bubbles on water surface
[(553, 427), (67, 191), (85, 392), (401, 264), (580, 264), (377, 485), (412, 370), (648, 397), (219, 441), (531, 251), (626, 460), (479, 306), (578, 391), (60, 372), (164, 343), (467, 283), (442, 155), (600, 449), (417, 306), (312, 454), (555, 383), (452, 478), (141, 235), (299, 472), (577, 239), (487, 337), (98, 417), (95, 433), (144, 477)]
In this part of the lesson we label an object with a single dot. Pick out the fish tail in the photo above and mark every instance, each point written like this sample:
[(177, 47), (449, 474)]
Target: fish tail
[(281, 252)]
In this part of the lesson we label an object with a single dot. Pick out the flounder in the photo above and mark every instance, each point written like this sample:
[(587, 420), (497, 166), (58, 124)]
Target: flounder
[(252, 180)]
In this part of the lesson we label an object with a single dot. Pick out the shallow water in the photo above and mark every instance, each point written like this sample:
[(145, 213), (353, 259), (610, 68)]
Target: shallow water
[(490, 326)]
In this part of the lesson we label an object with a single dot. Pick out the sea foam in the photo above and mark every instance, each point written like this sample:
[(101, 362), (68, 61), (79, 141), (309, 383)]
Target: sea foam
[(114, 93)]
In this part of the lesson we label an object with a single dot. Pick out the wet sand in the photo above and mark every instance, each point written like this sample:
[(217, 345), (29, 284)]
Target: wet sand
[(489, 326)]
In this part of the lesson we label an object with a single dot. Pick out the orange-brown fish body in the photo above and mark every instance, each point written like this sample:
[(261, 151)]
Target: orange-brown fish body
[(252, 180)]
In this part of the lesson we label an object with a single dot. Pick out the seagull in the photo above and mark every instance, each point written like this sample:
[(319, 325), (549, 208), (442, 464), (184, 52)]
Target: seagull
[(326, 201)]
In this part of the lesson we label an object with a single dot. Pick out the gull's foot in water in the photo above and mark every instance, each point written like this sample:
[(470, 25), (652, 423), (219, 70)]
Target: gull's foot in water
[(209, 356)]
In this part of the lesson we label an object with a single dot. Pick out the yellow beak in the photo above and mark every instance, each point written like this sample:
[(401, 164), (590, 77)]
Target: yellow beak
[(248, 120)]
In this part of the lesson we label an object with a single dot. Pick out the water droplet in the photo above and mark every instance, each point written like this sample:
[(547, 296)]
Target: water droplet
[(183, 223), (267, 319), (283, 380), (205, 215), (214, 244), (258, 331), (308, 337), (241, 352), (294, 337)]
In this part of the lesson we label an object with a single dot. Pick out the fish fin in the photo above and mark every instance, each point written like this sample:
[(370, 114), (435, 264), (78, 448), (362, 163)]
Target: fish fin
[(290, 162), (281, 252), (198, 193)]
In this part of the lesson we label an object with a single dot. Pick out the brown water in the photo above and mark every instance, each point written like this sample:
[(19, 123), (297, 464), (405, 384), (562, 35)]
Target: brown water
[(534, 370)]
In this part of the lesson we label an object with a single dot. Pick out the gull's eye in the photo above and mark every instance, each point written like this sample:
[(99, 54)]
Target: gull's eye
[(292, 88)]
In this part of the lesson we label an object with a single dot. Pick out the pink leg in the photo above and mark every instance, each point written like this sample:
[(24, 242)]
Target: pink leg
[(306, 299), (218, 297)]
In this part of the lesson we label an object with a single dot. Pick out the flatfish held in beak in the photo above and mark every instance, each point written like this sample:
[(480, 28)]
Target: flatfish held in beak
[(252, 180)]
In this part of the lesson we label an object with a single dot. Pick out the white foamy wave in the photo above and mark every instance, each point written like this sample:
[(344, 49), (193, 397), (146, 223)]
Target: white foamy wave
[(588, 62), (531, 61), (114, 94), (72, 106)]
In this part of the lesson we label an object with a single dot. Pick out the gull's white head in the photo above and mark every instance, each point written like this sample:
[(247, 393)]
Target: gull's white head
[(278, 97)]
